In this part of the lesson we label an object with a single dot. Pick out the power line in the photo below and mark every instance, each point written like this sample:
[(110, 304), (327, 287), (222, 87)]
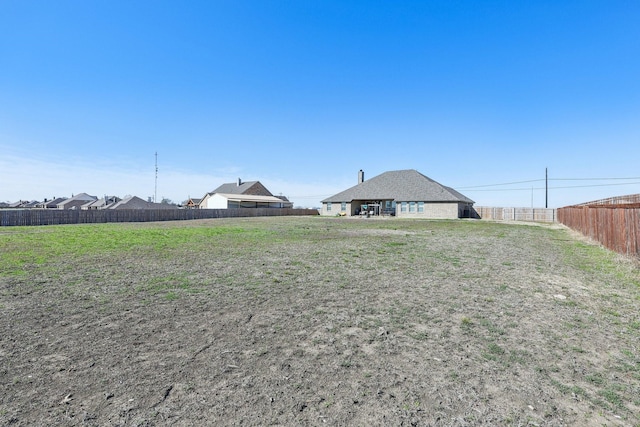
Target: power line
[(475, 188), (550, 179), (591, 179), (558, 188), (513, 189), (597, 185), (506, 183)]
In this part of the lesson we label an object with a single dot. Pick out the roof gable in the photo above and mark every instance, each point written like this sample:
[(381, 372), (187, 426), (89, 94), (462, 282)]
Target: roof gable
[(101, 203), (54, 203), (82, 197), (250, 187), (135, 202), (401, 185)]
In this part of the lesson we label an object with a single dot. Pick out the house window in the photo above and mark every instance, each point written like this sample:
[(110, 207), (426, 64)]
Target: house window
[(412, 206), (343, 206), (328, 206), (420, 207), (403, 207)]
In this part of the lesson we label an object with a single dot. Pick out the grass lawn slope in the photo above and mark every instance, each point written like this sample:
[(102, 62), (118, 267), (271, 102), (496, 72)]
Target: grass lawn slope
[(316, 321)]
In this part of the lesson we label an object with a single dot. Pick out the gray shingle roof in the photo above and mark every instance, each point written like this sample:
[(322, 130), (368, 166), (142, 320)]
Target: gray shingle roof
[(233, 188), (76, 201), (54, 203), (135, 202), (401, 186)]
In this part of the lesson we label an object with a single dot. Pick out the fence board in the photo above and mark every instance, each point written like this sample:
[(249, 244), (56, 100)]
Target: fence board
[(517, 214), (17, 217), (615, 226)]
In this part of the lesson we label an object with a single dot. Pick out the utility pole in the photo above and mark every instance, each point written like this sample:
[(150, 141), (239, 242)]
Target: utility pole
[(155, 192), (546, 188)]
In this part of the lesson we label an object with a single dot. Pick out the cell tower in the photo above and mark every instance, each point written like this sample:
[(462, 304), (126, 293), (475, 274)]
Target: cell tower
[(155, 192)]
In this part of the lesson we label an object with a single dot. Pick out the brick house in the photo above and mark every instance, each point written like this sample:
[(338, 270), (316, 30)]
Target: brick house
[(402, 193), (250, 194)]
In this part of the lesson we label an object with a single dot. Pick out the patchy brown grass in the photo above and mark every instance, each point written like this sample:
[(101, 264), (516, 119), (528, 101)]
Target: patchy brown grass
[(316, 321)]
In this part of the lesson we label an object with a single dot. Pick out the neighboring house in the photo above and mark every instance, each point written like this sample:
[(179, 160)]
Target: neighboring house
[(23, 204), (134, 202), (251, 194), (102, 203), (32, 204), (253, 188), (286, 200), (18, 204), (51, 204), (76, 201), (403, 193), (192, 203)]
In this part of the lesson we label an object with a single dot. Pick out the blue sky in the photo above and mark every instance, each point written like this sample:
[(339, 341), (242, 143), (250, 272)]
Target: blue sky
[(302, 94)]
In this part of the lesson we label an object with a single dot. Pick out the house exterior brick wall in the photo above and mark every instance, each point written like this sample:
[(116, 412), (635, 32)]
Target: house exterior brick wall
[(336, 209), (431, 210)]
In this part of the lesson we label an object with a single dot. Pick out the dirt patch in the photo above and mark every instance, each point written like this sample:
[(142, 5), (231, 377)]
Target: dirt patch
[(319, 321)]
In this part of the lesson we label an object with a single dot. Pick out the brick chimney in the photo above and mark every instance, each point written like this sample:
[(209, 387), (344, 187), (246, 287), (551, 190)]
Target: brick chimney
[(360, 177)]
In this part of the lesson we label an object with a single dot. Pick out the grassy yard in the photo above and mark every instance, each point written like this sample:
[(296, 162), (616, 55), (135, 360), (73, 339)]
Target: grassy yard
[(316, 321)]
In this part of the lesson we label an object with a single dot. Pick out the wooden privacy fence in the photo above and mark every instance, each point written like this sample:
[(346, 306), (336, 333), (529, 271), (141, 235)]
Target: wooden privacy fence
[(615, 226), (50, 217), (517, 214)]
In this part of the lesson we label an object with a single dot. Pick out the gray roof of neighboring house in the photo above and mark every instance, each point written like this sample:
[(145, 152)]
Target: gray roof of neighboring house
[(54, 203), (234, 188), (78, 197), (135, 202), (101, 203), (94, 203), (401, 186), (131, 202)]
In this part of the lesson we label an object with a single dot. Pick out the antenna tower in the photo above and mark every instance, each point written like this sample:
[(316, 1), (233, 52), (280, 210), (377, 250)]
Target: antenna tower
[(155, 192)]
